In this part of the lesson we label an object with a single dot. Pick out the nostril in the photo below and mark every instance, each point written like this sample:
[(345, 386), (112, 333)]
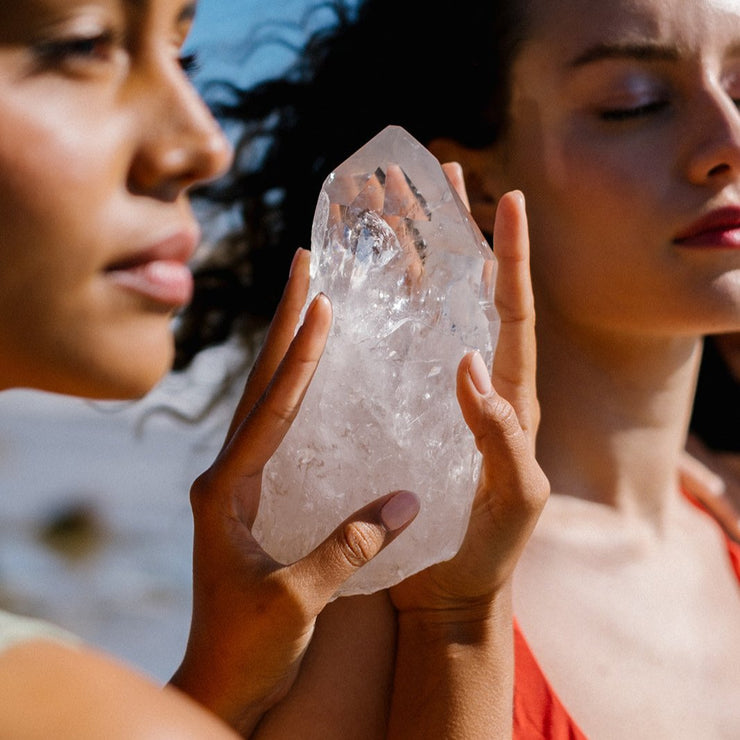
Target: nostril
[(720, 169)]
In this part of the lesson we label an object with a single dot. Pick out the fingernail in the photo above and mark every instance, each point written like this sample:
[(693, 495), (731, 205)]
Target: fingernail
[(479, 375), (295, 259), (318, 298), (399, 510)]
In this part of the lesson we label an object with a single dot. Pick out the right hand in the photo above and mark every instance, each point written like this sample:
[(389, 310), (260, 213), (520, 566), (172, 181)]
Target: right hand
[(503, 414), (253, 617)]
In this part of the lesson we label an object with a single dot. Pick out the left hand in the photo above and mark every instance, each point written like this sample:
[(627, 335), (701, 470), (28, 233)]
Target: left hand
[(253, 617)]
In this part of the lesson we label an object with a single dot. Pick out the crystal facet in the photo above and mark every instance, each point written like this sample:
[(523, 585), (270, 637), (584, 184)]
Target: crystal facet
[(410, 278)]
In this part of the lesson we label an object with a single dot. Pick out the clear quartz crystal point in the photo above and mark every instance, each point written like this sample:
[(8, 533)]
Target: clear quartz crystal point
[(411, 279)]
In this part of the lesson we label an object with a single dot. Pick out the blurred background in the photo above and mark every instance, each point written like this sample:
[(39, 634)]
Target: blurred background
[(95, 525)]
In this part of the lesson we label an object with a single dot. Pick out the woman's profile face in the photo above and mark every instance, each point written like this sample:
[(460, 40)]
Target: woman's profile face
[(101, 134), (625, 137)]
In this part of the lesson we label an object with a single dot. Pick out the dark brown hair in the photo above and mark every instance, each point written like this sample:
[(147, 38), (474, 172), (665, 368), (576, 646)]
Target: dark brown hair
[(437, 70)]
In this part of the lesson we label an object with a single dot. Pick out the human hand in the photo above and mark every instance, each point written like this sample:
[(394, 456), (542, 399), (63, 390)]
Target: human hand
[(253, 617), (504, 416)]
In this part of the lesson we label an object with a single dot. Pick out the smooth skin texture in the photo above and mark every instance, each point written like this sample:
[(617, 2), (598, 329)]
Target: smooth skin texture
[(623, 132), (453, 674), (101, 136)]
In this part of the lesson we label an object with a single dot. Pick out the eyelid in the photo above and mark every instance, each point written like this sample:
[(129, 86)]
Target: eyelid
[(630, 93), (73, 45), (631, 112)]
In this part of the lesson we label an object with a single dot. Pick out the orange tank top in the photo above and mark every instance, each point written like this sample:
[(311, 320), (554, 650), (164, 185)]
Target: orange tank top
[(538, 713)]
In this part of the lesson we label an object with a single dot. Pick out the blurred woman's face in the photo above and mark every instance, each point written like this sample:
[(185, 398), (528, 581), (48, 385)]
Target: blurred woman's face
[(101, 134), (625, 137)]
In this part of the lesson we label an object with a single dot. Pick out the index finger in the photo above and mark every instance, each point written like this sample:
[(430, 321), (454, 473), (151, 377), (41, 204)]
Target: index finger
[(515, 361), (278, 338)]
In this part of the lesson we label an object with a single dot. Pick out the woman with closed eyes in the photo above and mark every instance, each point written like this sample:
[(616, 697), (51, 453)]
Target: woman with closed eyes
[(619, 123)]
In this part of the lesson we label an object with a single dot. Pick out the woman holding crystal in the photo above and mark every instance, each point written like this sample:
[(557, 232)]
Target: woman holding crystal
[(619, 122), (101, 137)]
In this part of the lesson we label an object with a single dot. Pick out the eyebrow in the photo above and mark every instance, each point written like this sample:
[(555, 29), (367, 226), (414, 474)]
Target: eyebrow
[(648, 52), (188, 12), (644, 52), (185, 15)]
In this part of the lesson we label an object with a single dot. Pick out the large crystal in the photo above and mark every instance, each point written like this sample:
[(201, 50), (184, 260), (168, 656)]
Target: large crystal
[(410, 278)]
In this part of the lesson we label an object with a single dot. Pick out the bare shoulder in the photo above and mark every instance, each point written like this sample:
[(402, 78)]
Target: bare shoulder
[(54, 690)]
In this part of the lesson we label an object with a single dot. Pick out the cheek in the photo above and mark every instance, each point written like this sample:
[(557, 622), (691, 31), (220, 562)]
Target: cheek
[(62, 198), (54, 192), (594, 214)]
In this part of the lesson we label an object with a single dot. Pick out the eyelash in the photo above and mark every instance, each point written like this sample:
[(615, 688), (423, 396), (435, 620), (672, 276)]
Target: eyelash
[(53, 53), (628, 114), (56, 53), (190, 63)]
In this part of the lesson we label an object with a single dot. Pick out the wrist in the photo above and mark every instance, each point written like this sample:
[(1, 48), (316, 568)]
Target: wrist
[(464, 621), (455, 670)]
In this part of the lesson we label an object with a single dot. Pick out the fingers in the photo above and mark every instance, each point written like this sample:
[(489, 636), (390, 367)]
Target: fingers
[(278, 338), (402, 208), (489, 416), (260, 433), (513, 485), (454, 173), (353, 544), (515, 363)]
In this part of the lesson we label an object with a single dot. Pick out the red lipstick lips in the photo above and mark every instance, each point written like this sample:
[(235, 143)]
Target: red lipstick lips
[(719, 229)]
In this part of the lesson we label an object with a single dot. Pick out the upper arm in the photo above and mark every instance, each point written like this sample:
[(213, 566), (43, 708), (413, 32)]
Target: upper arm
[(55, 690)]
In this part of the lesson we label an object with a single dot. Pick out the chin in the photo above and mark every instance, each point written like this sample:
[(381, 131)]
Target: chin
[(134, 382), (123, 376)]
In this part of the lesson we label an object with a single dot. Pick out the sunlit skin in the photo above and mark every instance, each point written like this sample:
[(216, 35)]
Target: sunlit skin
[(624, 136), (101, 134), (624, 131)]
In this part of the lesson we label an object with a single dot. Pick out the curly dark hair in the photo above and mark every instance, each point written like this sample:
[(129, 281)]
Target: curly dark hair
[(404, 62), (715, 418), (375, 62)]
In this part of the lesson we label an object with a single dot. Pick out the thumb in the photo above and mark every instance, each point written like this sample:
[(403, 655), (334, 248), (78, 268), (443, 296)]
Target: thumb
[(354, 543)]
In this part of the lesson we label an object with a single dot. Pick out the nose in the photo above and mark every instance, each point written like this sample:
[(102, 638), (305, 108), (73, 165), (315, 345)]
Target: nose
[(179, 143), (715, 149)]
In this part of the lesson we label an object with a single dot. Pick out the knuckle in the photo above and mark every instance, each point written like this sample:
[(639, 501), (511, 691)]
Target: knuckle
[(502, 422), (282, 409), (199, 489), (542, 489), (537, 492), (358, 543)]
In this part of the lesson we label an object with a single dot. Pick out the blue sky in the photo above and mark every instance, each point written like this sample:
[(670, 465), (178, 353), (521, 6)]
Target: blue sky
[(221, 23)]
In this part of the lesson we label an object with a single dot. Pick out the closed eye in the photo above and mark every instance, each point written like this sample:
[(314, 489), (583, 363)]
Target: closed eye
[(57, 52), (639, 111)]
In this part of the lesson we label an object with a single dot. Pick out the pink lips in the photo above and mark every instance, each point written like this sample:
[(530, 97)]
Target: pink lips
[(160, 272), (720, 228)]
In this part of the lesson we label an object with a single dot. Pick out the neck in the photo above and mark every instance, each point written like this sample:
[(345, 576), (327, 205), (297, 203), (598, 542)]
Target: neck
[(615, 413)]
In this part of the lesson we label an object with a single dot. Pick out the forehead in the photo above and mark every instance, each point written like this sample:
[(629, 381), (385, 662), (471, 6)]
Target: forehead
[(18, 16), (683, 24)]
